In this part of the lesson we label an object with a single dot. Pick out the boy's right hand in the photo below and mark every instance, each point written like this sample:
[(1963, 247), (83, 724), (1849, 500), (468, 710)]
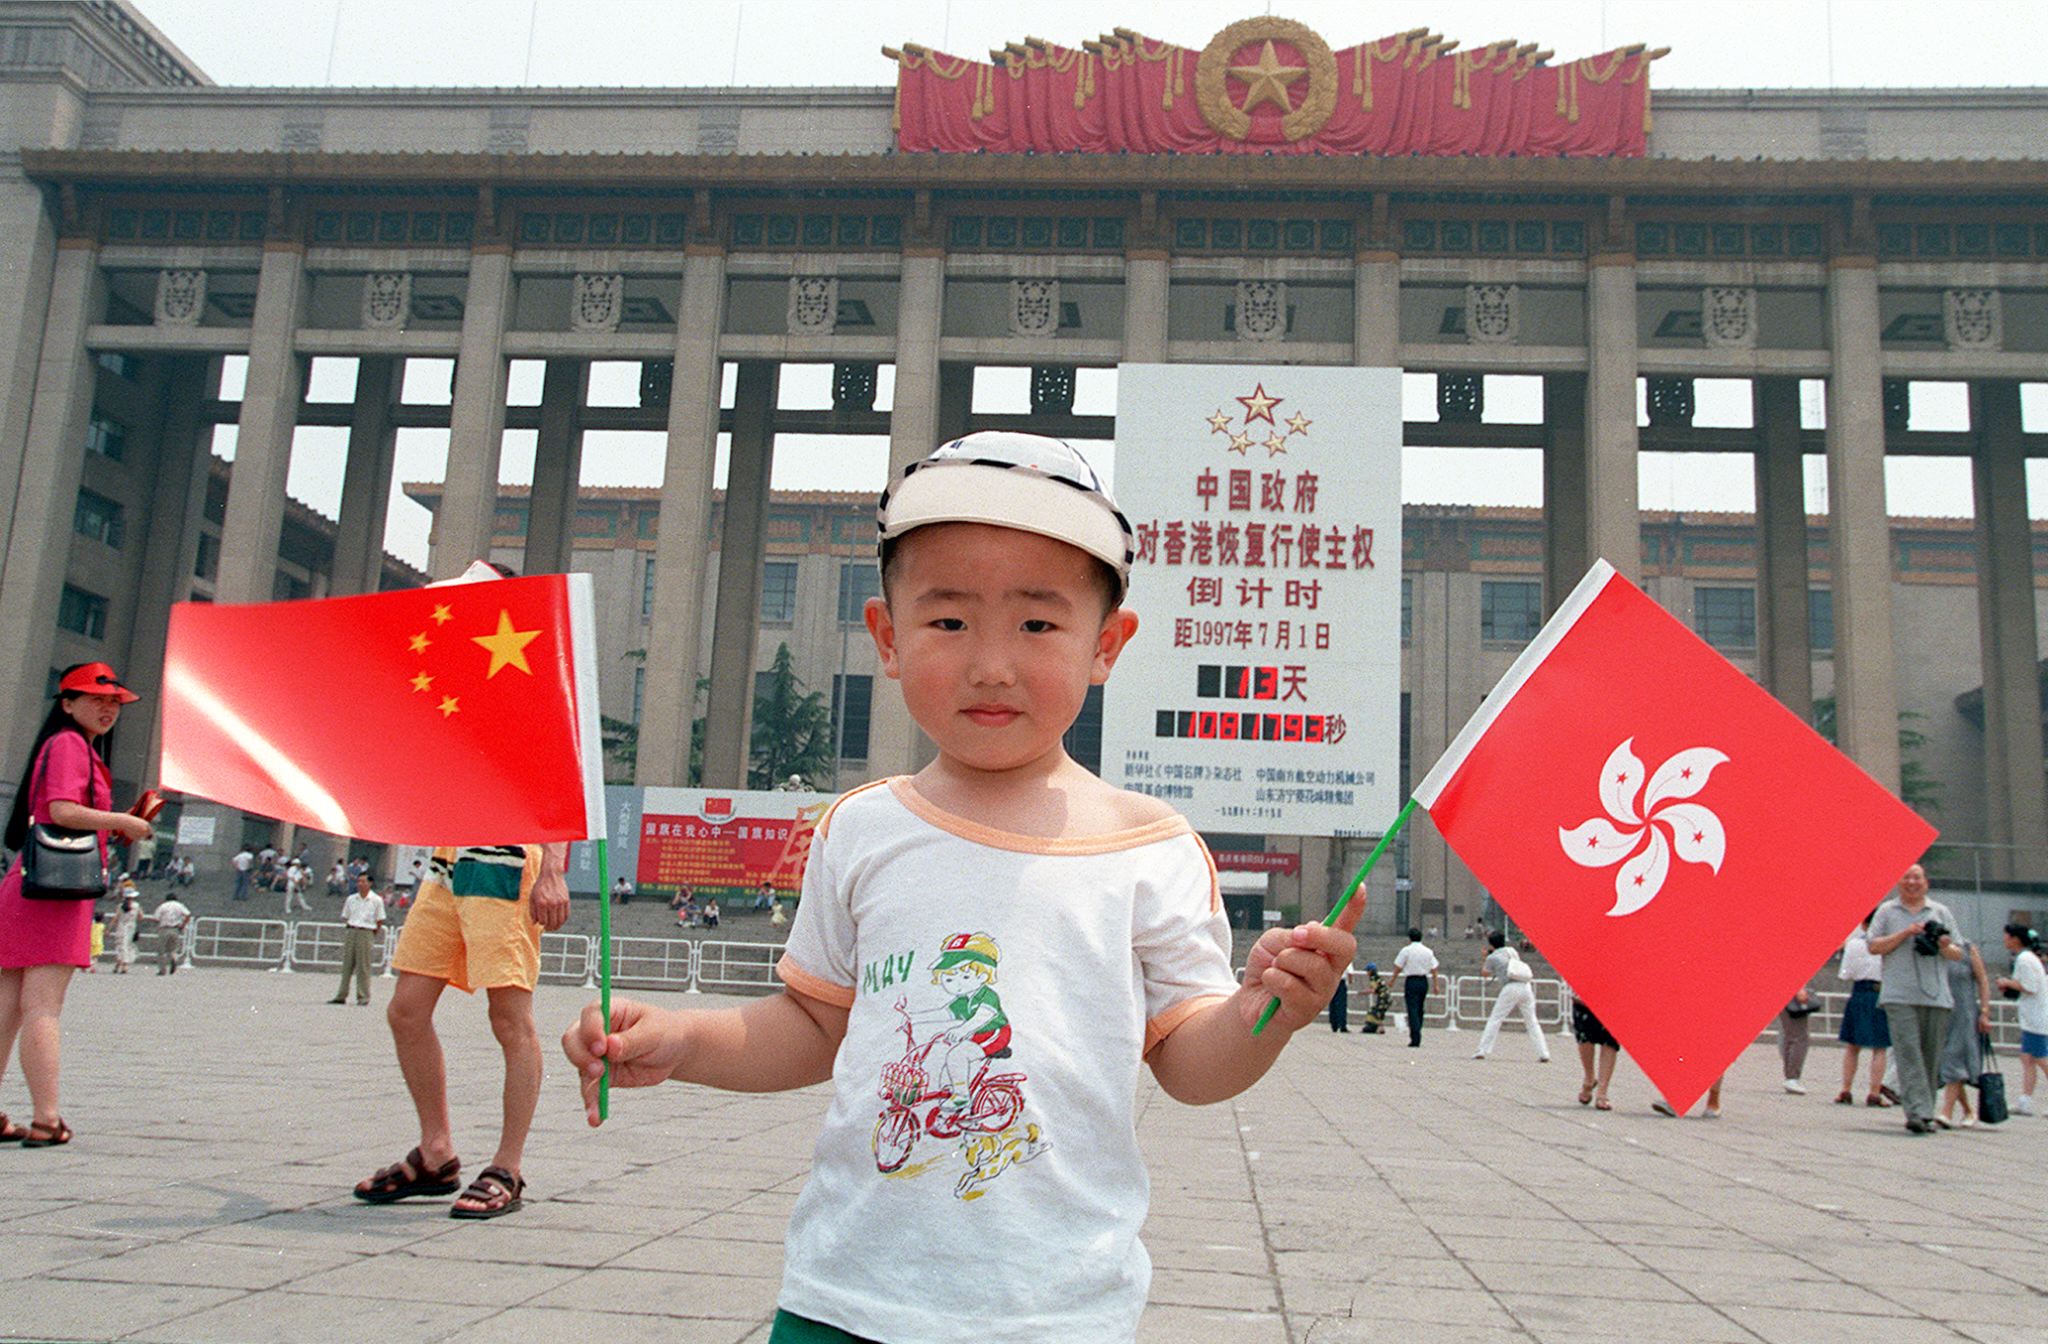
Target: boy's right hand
[(644, 1047)]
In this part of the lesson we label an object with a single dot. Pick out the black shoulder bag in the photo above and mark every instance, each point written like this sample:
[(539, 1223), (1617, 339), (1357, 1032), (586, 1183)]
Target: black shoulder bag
[(58, 863)]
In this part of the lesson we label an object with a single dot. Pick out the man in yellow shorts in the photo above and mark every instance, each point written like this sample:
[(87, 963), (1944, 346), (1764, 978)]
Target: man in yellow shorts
[(476, 924)]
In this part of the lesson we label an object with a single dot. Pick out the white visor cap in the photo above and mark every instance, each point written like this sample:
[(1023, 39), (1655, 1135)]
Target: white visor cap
[(1026, 481)]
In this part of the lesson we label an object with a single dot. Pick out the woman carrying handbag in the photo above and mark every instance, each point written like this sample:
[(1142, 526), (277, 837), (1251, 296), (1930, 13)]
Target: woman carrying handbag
[(46, 913)]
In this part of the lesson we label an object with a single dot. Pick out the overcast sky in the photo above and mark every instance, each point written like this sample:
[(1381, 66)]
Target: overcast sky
[(661, 43)]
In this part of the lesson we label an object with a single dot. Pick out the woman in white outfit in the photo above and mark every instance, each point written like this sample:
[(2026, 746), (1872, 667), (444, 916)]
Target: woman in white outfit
[(1505, 967)]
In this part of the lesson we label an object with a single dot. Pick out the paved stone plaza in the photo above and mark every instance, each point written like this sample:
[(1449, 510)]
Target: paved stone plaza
[(1363, 1189)]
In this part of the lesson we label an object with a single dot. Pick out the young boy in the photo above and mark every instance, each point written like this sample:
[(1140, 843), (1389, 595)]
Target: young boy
[(978, 1173)]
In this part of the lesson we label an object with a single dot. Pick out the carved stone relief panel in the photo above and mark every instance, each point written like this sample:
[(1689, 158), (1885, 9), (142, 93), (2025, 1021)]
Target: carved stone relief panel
[(1972, 319), (1034, 308), (180, 298), (1492, 314), (387, 300), (1261, 310), (596, 300), (1728, 317), (813, 305)]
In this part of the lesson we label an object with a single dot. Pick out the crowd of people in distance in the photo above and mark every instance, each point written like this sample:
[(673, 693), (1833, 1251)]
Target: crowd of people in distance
[(1919, 1008)]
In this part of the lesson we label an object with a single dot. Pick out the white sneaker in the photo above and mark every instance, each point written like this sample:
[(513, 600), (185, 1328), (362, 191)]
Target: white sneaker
[(2023, 1105), (1795, 1087)]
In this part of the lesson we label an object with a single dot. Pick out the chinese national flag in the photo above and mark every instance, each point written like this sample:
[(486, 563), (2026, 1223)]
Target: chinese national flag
[(462, 713), (1682, 847)]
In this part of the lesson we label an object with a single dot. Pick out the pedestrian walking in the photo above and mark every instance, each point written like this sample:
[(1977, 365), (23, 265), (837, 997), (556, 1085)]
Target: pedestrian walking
[(2029, 984), (1340, 1002), (1599, 1052), (295, 888), (244, 864), (171, 918), (1914, 935), (1417, 967), (1968, 1023), (1863, 1025), (127, 915)]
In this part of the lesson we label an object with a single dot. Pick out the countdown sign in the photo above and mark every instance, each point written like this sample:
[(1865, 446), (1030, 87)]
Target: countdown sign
[(1262, 692)]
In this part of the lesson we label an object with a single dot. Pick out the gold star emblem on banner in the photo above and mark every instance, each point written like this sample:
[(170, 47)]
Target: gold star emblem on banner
[(1219, 423), (1268, 80), (1298, 423), (1275, 445), (506, 646), (1241, 443)]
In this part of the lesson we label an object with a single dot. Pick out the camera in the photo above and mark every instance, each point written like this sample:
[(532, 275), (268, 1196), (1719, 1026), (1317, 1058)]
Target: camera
[(1927, 942)]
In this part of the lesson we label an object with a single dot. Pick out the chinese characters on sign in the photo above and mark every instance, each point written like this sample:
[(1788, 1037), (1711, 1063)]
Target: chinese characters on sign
[(1262, 691), (720, 838)]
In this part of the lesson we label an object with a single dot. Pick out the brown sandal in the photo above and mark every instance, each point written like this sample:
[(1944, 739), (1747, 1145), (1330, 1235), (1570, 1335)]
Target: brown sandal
[(9, 1131), (40, 1135), (409, 1177), (495, 1191)]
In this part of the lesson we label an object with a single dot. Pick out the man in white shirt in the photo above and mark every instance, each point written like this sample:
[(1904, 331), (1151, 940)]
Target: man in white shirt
[(1416, 964), (243, 862), (295, 877), (362, 914), (171, 918)]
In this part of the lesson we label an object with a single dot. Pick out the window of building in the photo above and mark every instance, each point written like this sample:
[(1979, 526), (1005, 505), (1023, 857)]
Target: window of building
[(778, 591), (639, 690), (82, 613), (1820, 620), (1083, 741), (852, 699), (1725, 617), (116, 363), (857, 583), (646, 599), (1407, 610), (286, 588), (108, 438), (97, 517), (1510, 611), (207, 566)]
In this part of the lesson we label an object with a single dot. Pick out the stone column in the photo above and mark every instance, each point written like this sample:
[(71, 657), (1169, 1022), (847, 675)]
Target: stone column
[(682, 547), (468, 516), (557, 462), (52, 463), (263, 439), (31, 233), (893, 740), (2015, 792), (1145, 285), (1376, 310), (737, 621), (1859, 530), (366, 479), (1613, 513), (1566, 557), (170, 548), (1784, 653)]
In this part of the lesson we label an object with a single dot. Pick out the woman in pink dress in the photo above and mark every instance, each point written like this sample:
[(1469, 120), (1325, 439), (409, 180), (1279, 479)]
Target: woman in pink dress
[(42, 943)]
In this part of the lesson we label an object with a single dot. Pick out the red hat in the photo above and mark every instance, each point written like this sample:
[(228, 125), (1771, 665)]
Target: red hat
[(96, 679)]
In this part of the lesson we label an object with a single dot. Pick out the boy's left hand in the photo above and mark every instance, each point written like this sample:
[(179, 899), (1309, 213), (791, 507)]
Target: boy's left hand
[(1300, 967)]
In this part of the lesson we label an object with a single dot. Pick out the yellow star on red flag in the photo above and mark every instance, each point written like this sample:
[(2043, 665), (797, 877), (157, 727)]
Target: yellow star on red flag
[(507, 646), (442, 615), (421, 682), (448, 706)]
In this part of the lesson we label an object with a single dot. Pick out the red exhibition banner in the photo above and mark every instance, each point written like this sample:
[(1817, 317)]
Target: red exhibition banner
[(723, 838), (1684, 849), (1273, 86)]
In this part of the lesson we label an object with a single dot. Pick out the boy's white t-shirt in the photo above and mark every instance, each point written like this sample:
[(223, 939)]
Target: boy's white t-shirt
[(1016, 1219)]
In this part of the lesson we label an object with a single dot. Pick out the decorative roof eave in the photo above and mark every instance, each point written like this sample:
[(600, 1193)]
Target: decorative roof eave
[(1133, 172)]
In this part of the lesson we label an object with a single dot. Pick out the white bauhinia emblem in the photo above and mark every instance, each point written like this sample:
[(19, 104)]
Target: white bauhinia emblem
[(1638, 843)]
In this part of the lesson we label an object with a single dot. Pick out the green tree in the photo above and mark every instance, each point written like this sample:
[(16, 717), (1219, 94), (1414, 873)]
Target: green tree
[(792, 729), (1918, 787)]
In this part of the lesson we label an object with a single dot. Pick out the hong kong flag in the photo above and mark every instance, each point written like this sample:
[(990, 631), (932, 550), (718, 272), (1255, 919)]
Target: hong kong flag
[(1682, 848), (462, 713)]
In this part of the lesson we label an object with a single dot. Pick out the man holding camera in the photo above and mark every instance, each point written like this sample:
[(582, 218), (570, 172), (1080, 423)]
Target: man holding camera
[(1913, 935)]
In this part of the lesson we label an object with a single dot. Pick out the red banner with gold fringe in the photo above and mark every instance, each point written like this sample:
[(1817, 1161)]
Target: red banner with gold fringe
[(1272, 86)]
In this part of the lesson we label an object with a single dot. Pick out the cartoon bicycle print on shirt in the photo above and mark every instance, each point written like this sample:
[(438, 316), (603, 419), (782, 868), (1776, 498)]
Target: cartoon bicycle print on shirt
[(962, 1038)]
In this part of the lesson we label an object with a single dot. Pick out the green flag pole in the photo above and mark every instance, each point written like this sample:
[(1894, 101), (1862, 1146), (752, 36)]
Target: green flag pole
[(604, 972), (1350, 891)]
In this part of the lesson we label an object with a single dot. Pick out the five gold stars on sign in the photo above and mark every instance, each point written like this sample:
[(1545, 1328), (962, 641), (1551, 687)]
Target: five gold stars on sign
[(1258, 406), (506, 645)]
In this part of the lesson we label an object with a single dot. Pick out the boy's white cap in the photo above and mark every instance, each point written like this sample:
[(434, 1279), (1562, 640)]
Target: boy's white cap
[(1026, 481)]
